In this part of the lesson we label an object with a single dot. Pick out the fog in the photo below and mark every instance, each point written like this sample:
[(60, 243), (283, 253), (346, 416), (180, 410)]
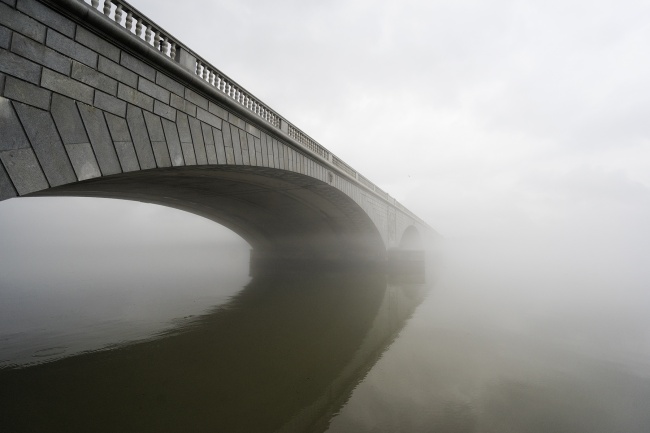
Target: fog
[(517, 129)]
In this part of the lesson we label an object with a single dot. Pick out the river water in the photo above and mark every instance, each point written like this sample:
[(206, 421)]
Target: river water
[(171, 335)]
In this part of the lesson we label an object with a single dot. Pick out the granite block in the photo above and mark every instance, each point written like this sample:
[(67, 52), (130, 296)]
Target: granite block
[(93, 78), (13, 135), (42, 134), (141, 140), (40, 54), (126, 154), (28, 93), (70, 48), (170, 84), (68, 121), (23, 170), (100, 139), (173, 143), (83, 160), (67, 86), (137, 66), (19, 67), (109, 103), (98, 44), (134, 97), (118, 72), (21, 23)]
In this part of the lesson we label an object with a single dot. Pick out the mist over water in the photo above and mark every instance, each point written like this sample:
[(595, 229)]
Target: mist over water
[(539, 332)]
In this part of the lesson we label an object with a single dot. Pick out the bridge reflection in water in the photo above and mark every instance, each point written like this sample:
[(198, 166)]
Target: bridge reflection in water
[(283, 355)]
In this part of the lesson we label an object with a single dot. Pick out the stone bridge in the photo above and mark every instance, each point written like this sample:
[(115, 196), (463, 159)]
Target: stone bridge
[(98, 100)]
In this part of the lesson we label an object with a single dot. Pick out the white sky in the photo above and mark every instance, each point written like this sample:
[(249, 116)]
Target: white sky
[(485, 118)]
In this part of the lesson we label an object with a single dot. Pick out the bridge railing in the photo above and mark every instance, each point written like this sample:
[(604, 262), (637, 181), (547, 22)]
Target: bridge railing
[(140, 26)]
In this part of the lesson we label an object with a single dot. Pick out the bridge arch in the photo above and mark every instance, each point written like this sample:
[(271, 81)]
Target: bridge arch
[(87, 107), (411, 239)]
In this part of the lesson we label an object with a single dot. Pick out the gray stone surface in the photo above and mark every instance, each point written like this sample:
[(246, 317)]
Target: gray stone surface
[(83, 160), (264, 150), (258, 151), (24, 170), (47, 145), (126, 154), (197, 139), (188, 153), (134, 97), (28, 93), (230, 155), (154, 126), (40, 54), (2, 84), (236, 145), (100, 139), (13, 136), (252, 130), (236, 121), (173, 143), (118, 72), (117, 127), (5, 37), (67, 86), (109, 103), (11, 3), (243, 142), (97, 44), (7, 189), (207, 117), (19, 67), (164, 110), (196, 99), (217, 110), (137, 66), (182, 104), (208, 140), (218, 146), (47, 16), (70, 48), (161, 154), (183, 128), (67, 120), (170, 84), (251, 148), (21, 23), (140, 137), (153, 90), (94, 78)]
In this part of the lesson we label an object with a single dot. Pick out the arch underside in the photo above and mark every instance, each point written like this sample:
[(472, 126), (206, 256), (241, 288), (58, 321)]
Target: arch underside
[(278, 212)]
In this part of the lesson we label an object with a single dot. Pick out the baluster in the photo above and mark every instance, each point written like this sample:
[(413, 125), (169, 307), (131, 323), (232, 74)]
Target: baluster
[(138, 27), (107, 7), (206, 73), (199, 69), (118, 13), (172, 51), (95, 4), (129, 20), (157, 40), (148, 34), (163, 45), (217, 82)]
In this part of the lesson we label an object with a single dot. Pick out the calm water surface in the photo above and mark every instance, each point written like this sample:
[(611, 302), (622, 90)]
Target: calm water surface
[(151, 339)]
